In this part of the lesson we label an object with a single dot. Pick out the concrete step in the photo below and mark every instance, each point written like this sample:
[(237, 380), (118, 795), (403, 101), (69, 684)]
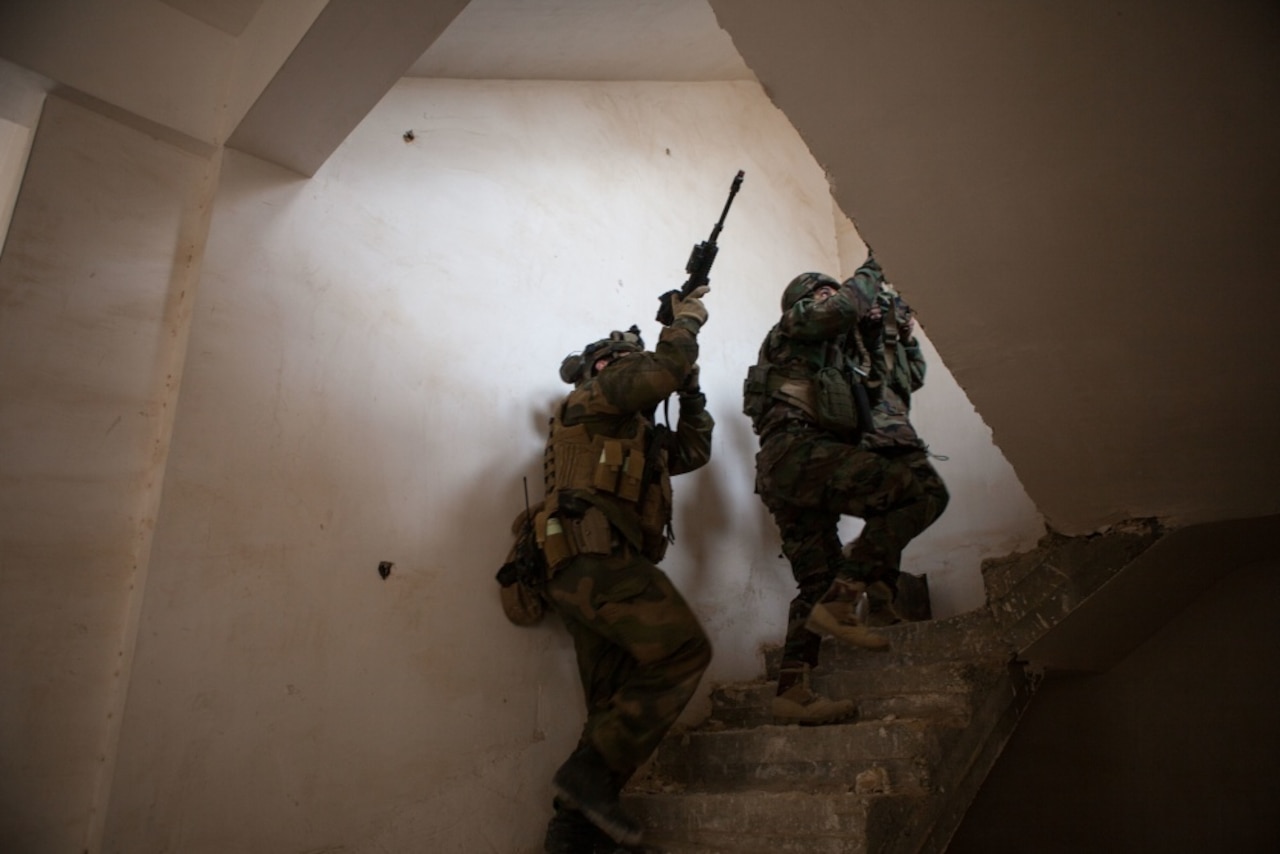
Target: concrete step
[(899, 753), (935, 711), (969, 637), (747, 704), (756, 822)]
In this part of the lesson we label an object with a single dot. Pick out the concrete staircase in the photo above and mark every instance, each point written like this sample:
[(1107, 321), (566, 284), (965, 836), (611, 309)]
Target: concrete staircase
[(934, 714)]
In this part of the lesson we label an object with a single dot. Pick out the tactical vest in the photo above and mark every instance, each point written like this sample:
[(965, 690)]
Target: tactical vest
[(603, 492), (812, 380)]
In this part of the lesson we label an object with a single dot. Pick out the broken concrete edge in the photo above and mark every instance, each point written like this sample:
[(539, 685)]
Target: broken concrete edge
[(1029, 593), (1060, 557), (1148, 591)]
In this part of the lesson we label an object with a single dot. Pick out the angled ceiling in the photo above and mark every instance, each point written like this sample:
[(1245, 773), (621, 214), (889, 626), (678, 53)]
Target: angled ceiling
[(671, 40), (230, 16), (1082, 201)]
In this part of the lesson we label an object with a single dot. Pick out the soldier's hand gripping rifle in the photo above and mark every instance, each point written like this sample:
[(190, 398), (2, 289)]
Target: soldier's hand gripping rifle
[(700, 260)]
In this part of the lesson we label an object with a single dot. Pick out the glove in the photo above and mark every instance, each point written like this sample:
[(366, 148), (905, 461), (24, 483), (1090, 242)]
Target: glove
[(692, 400), (690, 384), (690, 307), (871, 328)]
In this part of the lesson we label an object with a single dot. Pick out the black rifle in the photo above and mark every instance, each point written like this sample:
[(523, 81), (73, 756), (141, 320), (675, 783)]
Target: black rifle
[(700, 261)]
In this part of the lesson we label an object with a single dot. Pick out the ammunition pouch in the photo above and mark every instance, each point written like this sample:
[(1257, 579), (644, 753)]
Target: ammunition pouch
[(619, 468), (600, 463), (836, 404), (833, 399), (562, 534), (766, 385)]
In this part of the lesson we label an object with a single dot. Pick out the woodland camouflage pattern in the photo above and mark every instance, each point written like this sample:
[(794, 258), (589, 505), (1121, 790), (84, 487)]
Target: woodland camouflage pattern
[(814, 334), (641, 650), (809, 479), (897, 369)]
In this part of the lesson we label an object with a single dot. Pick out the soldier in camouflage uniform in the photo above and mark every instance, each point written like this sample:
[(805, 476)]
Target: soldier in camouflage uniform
[(641, 651), (810, 472), (897, 370)]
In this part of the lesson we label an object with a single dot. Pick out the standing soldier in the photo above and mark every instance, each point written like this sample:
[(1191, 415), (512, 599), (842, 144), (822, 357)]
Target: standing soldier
[(603, 526), (897, 370), (810, 407)]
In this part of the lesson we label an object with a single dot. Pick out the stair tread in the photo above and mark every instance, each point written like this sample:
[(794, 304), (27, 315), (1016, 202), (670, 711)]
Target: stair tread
[(763, 822), (773, 757)]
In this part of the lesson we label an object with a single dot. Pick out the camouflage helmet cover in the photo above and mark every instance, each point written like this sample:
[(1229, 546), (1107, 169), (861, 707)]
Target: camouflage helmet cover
[(803, 285), (577, 367)]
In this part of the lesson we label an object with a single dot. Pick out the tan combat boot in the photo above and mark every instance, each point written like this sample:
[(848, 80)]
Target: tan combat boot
[(837, 616), (798, 704)]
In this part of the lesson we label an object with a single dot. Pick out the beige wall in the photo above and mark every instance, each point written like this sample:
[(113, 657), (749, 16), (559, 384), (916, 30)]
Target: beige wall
[(94, 280), (373, 353)]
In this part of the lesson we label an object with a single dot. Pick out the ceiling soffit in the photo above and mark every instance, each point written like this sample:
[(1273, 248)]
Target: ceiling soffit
[(230, 16)]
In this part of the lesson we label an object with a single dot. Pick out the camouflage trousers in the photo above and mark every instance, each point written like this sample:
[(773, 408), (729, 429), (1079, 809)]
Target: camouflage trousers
[(641, 651), (808, 481)]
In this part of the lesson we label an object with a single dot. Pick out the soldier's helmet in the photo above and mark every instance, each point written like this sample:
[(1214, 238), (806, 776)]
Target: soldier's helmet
[(578, 367), (803, 285)]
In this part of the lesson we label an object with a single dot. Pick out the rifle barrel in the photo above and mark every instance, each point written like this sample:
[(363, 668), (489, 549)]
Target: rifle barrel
[(733, 191)]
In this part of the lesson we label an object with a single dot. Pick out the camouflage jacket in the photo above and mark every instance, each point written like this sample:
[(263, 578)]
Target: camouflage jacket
[(811, 335), (620, 402), (898, 368)]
